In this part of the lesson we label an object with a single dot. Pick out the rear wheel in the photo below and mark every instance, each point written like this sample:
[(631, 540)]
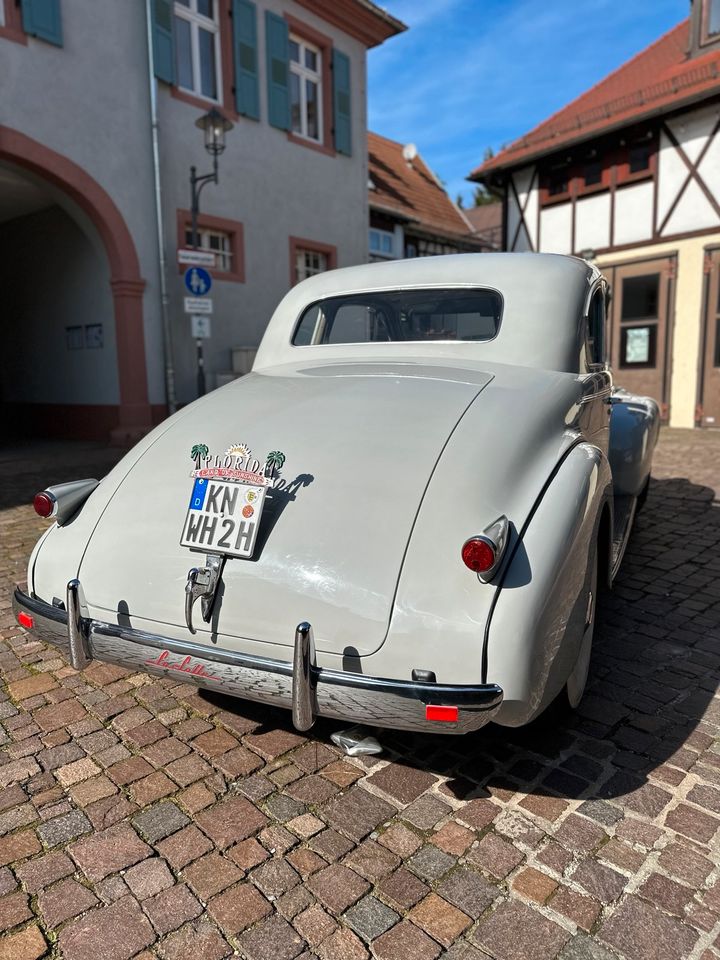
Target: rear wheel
[(575, 685)]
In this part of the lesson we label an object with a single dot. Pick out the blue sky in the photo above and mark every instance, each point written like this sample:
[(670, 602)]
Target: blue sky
[(475, 73)]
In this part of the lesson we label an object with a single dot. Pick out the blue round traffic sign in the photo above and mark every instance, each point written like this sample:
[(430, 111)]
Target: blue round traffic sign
[(198, 281)]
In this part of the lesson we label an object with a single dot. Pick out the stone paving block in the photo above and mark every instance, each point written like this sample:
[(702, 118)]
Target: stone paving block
[(440, 919), (275, 877), (312, 789), (403, 889), (306, 862), (469, 891), (370, 918), (8, 883), (692, 823), (402, 841), (600, 881), (357, 812), (640, 931), (425, 812), (75, 772), (431, 863), (534, 884), (116, 932), (337, 887), (582, 947), (212, 874), (18, 846), (183, 847), (231, 820), (188, 769), (293, 902), (25, 944), (152, 788), (238, 908), (62, 829), (406, 940), (160, 821), (330, 845), (273, 939), (64, 900), (171, 908), (371, 860), (14, 909), (198, 940), (314, 924), (342, 945), (514, 931), (149, 877), (283, 808), (104, 813), (111, 850), (274, 743), (582, 910), (402, 782), (247, 854), (90, 791)]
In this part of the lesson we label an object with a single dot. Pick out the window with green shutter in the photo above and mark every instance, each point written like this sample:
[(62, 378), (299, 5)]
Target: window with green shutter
[(247, 92), (41, 19), (341, 103), (277, 48), (163, 41)]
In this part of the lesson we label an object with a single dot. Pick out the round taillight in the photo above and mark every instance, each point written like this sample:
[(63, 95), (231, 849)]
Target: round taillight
[(44, 505), (478, 554)]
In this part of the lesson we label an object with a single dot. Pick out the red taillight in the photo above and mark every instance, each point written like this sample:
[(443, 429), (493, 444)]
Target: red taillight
[(443, 714), (25, 620), (478, 554), (44, 505)]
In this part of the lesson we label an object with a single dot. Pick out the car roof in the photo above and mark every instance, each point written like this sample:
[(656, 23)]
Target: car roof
[(544, 298)]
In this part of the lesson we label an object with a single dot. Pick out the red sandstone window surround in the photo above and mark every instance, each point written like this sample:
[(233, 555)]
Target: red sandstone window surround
[(308, 257)]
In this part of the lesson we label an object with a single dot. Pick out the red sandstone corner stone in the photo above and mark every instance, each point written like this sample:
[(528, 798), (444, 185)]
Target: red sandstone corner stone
[(231, 820), (516, 932), (110, 850), (26, 944), (406, 940)]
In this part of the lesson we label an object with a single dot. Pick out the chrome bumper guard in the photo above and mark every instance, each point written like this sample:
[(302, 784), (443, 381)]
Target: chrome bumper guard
[(309, 691)]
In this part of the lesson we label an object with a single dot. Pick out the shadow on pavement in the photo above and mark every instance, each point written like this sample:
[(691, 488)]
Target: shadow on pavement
[(653, 678)]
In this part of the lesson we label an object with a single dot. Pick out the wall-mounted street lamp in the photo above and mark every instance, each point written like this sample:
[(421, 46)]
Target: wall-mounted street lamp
[(215, 126)]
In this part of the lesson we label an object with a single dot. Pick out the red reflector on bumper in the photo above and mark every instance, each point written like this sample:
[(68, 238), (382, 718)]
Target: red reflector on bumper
[(444, 714), (25, 620)]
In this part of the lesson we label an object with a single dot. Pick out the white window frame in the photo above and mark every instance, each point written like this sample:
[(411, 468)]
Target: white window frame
[(305, 73), (197, 20), (223, 257), (2, 13), (302, 269), (382, 234)]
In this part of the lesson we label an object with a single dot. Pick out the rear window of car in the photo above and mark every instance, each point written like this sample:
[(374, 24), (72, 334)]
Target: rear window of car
[(401, 315)]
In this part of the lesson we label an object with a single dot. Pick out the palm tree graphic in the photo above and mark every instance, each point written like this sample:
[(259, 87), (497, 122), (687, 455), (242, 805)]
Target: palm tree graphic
[(199, 451), (274, 459)]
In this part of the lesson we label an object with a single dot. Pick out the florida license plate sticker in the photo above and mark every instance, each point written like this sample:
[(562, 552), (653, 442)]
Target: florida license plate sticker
[(226, 500)]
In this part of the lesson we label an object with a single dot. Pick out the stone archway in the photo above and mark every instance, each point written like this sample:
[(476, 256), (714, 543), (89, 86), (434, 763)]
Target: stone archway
[(126, 282)]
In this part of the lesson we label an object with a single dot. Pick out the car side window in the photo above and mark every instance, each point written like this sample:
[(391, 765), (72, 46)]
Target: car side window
[(595, 333)]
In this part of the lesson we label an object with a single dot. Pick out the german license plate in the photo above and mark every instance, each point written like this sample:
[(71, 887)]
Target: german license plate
[(223, 517)]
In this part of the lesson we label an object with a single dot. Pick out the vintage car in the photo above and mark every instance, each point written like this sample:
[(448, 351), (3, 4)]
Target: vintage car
[(401, 517)]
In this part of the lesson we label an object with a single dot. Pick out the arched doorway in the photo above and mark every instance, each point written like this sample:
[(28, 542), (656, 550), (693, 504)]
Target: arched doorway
[(74, 357)]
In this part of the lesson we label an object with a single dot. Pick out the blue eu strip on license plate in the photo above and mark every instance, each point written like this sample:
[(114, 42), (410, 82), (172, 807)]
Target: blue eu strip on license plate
[(199, 490)]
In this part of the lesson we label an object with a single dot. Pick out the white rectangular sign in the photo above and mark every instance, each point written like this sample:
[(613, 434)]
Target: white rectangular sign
[(197, 258), (200, 327), (198, 305)]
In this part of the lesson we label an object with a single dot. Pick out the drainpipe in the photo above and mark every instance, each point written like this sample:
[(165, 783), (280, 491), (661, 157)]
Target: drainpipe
[(164, 301)]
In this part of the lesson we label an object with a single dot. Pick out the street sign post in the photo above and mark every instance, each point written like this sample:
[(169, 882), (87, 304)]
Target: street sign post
[(198, 281), (198, 305), (198, 258)]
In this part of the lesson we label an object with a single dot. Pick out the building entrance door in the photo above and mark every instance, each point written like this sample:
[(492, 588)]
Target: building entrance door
[(710, 364), (642, 309)]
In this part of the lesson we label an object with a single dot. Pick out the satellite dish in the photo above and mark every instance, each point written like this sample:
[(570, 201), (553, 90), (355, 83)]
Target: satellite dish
[(409, 152)]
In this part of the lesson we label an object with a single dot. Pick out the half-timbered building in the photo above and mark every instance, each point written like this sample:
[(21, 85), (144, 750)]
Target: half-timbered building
[(628, 174)]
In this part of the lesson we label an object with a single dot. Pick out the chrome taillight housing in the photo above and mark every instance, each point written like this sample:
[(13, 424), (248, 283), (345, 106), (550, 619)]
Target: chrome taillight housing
[(63, 500), (483, 553)]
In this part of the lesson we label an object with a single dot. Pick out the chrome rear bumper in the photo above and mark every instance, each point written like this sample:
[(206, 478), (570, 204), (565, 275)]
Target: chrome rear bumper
[(300, 686)]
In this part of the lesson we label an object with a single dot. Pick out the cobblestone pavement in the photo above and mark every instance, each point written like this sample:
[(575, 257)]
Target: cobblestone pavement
[(141, 818)]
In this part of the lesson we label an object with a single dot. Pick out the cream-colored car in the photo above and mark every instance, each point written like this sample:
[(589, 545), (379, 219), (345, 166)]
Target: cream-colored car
[(400, 517)]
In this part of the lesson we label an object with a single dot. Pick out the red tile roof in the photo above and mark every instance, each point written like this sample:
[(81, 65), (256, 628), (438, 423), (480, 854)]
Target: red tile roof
[(656, 80), (410, 190), (485, 219)]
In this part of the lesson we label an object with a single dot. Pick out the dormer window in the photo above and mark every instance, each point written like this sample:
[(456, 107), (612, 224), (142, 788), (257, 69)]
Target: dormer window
[(712, 18)]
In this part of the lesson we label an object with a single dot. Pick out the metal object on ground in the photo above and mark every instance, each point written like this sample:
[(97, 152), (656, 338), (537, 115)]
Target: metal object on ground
[(356, 742)]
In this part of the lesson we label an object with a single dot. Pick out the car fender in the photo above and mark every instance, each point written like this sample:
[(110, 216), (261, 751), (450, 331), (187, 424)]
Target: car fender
[(534, 632), (634, 427)]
